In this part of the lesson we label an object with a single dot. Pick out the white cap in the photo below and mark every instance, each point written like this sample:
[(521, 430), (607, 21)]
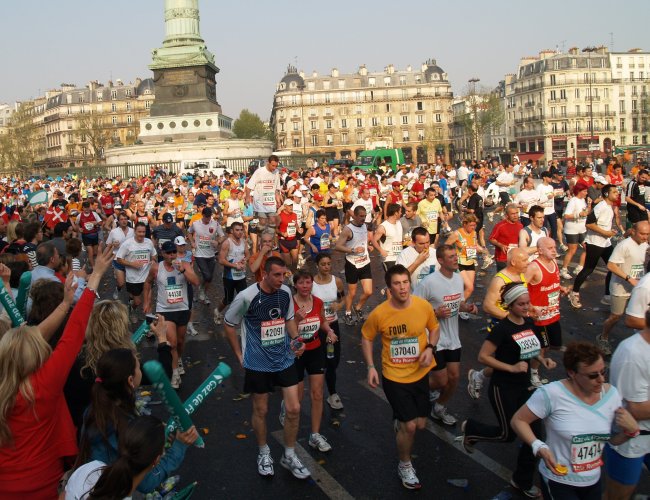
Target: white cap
[(601, 179), (304, 188), (297, 194), (288, 202), (179, 240)]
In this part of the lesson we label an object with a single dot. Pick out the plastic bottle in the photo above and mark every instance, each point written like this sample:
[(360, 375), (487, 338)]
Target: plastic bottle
[(330, 350)]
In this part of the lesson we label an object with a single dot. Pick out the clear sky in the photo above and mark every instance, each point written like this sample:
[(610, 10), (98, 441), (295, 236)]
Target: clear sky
[(45, 43)]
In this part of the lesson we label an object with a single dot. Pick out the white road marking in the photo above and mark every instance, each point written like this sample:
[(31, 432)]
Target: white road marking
[(330, 486), (449, 438)]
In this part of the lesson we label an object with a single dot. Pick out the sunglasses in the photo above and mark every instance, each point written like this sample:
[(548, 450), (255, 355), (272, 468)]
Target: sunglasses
[(595, 375), (172, 252)]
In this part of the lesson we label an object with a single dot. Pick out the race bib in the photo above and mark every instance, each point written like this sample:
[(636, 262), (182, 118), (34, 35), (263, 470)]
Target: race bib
[(141, 256), (272, 332), (636, 271), (325, 241), (558, 193), (587, 451), (308, 328), (268, 196), (529, 346), (238, 274), (291, 230), (404, 350), (144, 220), (452, 302), (174, 294), (554, 299), (330, 313), (432, 216), (361, 260), (470, 252), (405, 197), (204, 243), (89, 226), (396, 248)]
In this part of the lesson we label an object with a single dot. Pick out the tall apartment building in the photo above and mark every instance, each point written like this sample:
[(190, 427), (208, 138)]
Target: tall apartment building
[(340, 115), (78, 124), (631, 78), (552, 101)]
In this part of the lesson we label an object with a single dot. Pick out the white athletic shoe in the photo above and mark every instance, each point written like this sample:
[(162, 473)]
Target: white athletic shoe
[(176, 380), (294, 465), (191, 330), (218, 317), (201, 294), (181, 368), (319, 442), (564, 273), (265, 464)]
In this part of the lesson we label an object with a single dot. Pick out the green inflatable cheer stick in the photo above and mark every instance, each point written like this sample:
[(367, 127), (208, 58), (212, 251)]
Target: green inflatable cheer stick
[(140, 333), (156, 374), (10, 306), (220, 373), (186, 492), (23, 291)]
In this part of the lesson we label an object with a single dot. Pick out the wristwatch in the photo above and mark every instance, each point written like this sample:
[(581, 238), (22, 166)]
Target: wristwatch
[(433, 348)]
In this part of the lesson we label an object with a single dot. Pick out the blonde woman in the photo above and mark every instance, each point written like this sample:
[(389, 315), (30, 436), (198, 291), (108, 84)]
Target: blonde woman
[(36, 431)]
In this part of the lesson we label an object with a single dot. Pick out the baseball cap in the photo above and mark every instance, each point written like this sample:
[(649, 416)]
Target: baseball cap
[(600, 179), (167, 217), (235, 191), (396, 184), (207, 212), (288, 202), (580, 186), (304, 188), (168, 247), (297, 194), (179, 240), (318, 197)]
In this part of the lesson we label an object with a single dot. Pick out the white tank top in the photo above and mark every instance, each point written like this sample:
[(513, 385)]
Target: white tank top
[(393, 242), (172, 290), (235, 254), (328, 294), (359, 239)]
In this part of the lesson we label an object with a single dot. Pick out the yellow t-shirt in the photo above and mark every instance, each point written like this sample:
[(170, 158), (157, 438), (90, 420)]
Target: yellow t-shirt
[(430, 212), (404, 335)]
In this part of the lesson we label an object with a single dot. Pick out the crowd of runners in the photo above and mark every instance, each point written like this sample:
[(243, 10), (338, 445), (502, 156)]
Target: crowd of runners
[(265, 244)]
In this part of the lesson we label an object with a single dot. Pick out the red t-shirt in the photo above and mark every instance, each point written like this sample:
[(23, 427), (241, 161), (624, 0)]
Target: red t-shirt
[(308, 327), (546, 295), (507, 234), (288, 225)]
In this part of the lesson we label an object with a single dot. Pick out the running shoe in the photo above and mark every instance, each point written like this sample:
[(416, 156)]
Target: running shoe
[(116, 294), (574, 298), (439, 412), (563, 247), (192, 330), (218, 318), (407, 475), (319, 442), (532, 492), (467, 446), (265, 464), (175, 381), (349, 319), (133, 316), (335, 402), (283, 413), (464, 316), (294, 465), (433, 396), (564, 273), (201, 294), (487, 262), (474, 384), (604, 344), (536, 381), (206, 300), (577, 270), (606, 300), (181, 368), (359, 313), (490, 216)]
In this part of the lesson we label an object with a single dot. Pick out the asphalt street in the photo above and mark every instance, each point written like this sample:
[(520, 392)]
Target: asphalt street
[(362, 463)]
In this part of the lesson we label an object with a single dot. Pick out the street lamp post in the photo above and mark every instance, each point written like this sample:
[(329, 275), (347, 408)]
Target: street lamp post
[(589, 50), (474, 109)]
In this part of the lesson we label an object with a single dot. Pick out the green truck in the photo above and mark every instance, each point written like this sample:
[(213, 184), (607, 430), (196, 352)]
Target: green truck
[(373, 159)]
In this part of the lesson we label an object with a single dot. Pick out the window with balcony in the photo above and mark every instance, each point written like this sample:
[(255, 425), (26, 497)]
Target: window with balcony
[(114, 108), (405, 135), (328, 123), (296, 126), (375, 121), (344, 138), (114, 120), (313, 125), (329, 140), (359, 122), (621, 124), (359, 138), (296, 143), (438, 118), (314, 140), (621, 106), (129, 119), (405, 120), (420, 119)]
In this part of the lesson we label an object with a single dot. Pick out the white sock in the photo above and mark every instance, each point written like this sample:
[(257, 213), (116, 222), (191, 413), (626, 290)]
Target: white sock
[(265, 450), (289, 452), (404, 465)]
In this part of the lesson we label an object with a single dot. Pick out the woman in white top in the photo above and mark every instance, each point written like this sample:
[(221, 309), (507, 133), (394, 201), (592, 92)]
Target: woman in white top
[(575, 229), (579, 413), (141, 446)]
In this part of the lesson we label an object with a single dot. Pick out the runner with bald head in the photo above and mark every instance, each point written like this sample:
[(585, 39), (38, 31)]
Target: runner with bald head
[(543, 277), (516, 264)]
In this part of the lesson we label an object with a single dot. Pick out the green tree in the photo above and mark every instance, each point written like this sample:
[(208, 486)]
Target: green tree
[(93, 132), (250, 126), (483, 113), (25, 144)]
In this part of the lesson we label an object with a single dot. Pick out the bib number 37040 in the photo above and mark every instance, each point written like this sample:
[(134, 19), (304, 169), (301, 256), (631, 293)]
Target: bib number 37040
[(404, 350)]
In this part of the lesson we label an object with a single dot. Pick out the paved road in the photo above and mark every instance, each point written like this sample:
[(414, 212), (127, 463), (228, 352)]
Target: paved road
[(362, 463)]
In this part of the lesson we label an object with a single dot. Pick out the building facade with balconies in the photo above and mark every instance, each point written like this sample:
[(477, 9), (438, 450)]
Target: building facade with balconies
[(340, 115), (631, 78), (552, 102)]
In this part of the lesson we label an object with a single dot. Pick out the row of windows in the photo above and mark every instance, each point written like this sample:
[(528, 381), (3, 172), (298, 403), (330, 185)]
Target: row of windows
[(359, 109), (344, 139), (370, 95), (359, 122), (357, 82)]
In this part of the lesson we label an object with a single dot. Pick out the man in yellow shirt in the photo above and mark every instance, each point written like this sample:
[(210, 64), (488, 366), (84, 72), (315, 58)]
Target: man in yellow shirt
[(409, 333), (431, 213)]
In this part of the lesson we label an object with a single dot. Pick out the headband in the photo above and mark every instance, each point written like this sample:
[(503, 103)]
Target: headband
[(513, 294)]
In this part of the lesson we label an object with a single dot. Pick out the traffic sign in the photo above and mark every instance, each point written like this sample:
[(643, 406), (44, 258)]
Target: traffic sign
[(594, 147)]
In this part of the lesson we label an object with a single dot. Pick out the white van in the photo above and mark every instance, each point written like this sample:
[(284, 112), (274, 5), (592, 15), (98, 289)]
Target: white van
[(203, 167)]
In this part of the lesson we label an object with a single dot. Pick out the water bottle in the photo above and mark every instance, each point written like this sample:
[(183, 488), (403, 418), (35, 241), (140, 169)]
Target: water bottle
[(330, 350)]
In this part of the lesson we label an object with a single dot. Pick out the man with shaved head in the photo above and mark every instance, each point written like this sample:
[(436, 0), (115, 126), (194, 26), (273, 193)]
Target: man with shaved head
[(543, 277), (626, 266), (516, 265)]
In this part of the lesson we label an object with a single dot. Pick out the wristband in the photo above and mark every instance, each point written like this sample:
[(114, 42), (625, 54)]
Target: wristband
[(632, 434), (537, 445), (370, 367), (430, 346)]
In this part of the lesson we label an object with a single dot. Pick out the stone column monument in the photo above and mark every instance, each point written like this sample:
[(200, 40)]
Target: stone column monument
[(184, 82)]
